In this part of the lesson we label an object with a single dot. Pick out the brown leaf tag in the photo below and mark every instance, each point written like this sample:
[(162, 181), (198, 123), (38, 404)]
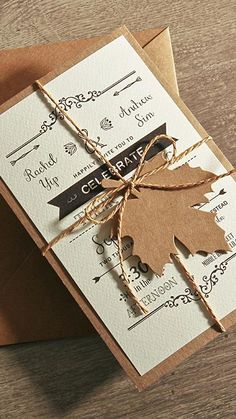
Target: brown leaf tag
[(157, 217)]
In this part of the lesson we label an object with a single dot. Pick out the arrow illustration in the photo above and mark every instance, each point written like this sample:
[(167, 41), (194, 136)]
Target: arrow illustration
[(13, 162), (126, 87), (49, 125), (222, 192), (97, 278)]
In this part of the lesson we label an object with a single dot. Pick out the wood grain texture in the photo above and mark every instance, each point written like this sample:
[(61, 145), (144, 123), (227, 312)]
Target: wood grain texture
[(79, 378)]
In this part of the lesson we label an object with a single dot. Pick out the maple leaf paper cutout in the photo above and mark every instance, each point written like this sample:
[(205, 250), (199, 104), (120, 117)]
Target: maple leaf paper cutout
[(157, 217)]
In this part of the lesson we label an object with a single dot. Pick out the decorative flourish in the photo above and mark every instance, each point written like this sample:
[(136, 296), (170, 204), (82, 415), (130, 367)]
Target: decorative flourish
[(186, 298), (53, 117), (13, 162), (70, 148), (106, 124), (211, 280), (67, 103), (189, 296)]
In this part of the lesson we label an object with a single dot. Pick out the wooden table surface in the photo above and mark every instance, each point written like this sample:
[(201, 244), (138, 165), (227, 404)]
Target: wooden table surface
[(79, 378)]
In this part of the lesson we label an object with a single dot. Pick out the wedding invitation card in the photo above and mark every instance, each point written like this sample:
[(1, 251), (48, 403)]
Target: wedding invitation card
[(49, 176)]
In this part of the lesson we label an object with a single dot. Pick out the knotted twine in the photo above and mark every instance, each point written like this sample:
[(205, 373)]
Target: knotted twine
[(124, 188)]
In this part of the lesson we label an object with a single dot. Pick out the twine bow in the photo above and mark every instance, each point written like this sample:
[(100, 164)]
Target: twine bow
[(124, 188)]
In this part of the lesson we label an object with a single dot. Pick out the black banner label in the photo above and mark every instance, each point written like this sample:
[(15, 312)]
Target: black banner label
[(90, 186)]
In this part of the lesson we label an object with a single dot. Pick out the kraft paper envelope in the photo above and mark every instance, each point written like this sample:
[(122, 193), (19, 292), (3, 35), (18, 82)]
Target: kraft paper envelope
[(150, 375), (34, 304)]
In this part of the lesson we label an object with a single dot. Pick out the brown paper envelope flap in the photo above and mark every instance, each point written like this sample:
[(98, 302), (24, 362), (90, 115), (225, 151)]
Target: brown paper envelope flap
[(55, 314), (165, 62), (22, 66), (34, 304)]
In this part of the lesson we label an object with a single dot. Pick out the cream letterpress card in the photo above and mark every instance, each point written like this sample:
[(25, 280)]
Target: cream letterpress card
[(117, 98)]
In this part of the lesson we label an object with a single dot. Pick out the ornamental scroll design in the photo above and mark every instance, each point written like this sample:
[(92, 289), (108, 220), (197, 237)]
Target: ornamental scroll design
[(67, 103), (215, 276), (208, 283), (188, 296)]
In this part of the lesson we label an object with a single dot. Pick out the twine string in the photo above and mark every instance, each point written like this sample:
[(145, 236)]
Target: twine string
[(197, 289), (82, 135), (123, 188)]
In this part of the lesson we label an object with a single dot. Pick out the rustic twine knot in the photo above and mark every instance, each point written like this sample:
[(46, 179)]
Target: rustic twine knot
[(123, 188), (132, 185)]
